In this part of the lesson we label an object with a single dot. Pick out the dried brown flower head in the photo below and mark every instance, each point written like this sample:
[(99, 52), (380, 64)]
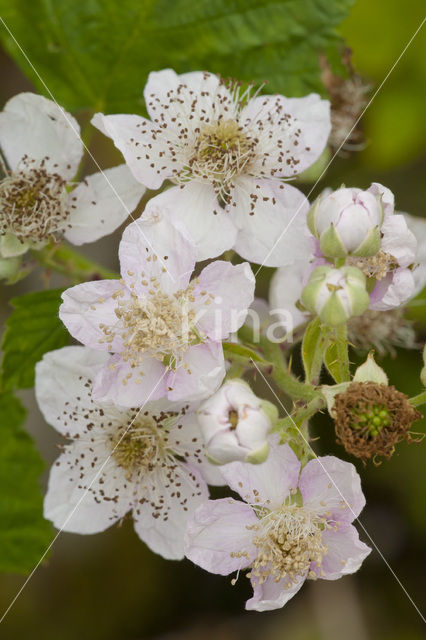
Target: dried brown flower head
[(371, 418)]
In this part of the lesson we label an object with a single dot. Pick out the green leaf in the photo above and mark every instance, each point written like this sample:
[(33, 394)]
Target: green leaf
[(32, 329), (24, 534), (314, 344), (97, 54), (336, 357)]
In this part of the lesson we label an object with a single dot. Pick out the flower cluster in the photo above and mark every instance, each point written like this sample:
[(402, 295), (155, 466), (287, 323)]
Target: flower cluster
[(156, 403)]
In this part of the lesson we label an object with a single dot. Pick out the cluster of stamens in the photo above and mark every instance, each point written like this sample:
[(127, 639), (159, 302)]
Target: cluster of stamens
[(138, 447), (33, 203), (377, 266), (221, 152), (159, 324), (289, 541)]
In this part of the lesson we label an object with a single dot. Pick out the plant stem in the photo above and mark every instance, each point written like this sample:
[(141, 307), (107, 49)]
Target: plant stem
[(418, 400), (68, 262)]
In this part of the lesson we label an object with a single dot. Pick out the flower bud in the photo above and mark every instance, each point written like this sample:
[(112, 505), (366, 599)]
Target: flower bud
[(235, 424), (335, 295), (347, 221)]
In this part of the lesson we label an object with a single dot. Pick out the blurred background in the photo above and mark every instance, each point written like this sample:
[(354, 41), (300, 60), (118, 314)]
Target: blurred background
[(111, 587)]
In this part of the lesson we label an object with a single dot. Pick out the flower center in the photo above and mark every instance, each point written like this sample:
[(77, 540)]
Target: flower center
[(288, 539), (159, 324), (33, 204), (222, 151), (376, 266), (141, 448)]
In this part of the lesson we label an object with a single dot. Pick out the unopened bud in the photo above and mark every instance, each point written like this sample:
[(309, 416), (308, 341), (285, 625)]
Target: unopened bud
[(235, 424), (335, 295), (347, 222)]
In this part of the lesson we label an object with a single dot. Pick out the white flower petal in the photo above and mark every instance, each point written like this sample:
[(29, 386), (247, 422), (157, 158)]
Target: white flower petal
[(140, 141), (83, 496), (285, 290), (393, 290), (196, 206), (229, 292), (34, 126), (165, 503), (271, 217), (100, 203), (153, 247), (186, 100), (294, 131), (398, 240), (63, 387), (217, 538), (267, 484)]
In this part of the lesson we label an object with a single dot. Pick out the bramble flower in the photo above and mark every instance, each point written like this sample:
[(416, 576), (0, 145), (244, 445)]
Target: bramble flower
[(42, 146), (294, 525), (149, 462), (235, 424), (163, 330), (227, 152), (335, 295)]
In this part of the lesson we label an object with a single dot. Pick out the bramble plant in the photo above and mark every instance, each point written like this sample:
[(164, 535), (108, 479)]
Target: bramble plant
[(157, 401)]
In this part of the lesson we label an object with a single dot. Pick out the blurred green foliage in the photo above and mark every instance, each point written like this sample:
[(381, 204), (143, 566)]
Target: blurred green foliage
[(377, 32), (24, 534), (97, 54)]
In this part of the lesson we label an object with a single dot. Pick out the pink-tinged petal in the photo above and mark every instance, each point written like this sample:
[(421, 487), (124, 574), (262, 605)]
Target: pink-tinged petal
[(142, 144), (199, 375), (89, 305), (186, 101), (163, 505), (196, 206), (418, 226), (386, 196), (345, 552), (154, 248), (118, 383), (34, 126), (393, 291), (223, 293), (82, 498), (332, 487), (219, 536), (100, 203), (271, 217), (293, 131), (267, 484), (63, 386), (398, 240), (272, 595)]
